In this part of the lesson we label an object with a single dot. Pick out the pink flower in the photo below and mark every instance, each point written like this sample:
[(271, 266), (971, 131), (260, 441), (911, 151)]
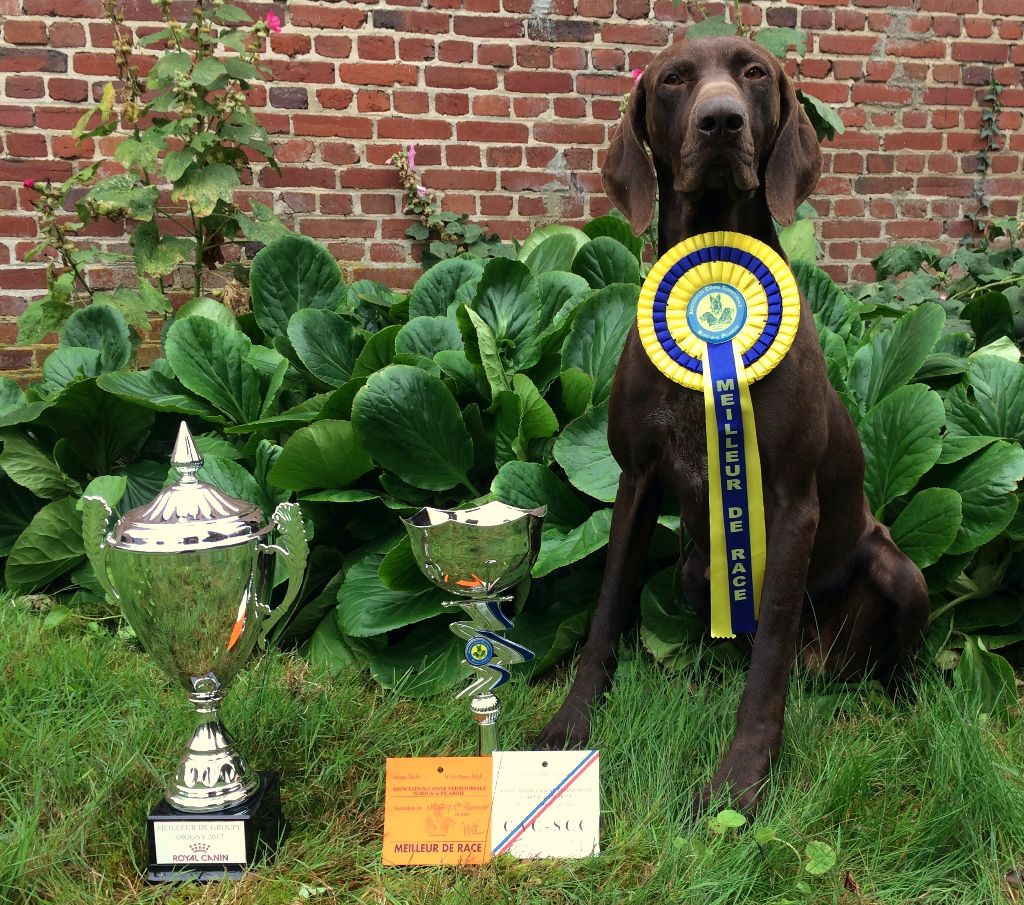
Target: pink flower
[(421, 191), (273, 21), (637, 75), (410, 156), (29, 183)]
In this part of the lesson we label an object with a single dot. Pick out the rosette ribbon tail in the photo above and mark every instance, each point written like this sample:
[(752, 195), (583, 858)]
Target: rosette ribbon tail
[(736, 501)]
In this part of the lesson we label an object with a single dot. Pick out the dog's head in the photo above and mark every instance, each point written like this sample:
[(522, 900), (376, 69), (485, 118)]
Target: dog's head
[(718, 114)]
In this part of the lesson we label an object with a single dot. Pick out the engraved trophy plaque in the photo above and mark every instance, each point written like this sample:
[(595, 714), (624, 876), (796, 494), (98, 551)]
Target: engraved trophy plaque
[(479, 554), (191, 572)]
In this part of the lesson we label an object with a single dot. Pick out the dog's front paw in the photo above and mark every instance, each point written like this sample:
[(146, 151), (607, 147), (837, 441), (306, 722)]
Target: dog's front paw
[(567, 729), (738, 786)]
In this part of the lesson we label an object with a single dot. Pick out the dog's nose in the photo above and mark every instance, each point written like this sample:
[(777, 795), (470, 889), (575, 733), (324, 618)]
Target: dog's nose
[(720, 117)]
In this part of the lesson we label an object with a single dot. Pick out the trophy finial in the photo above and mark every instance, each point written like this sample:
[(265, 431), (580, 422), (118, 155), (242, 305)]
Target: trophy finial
[(185, 457)]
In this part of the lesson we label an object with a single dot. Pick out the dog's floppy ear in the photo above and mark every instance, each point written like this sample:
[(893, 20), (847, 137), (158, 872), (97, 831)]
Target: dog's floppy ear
[(795, 161), (628, 172)]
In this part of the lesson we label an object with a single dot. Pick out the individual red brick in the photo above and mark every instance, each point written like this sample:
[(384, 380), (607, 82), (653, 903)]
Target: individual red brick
[(492, 205), (425, 22), (26, 144), (605, 109), (73, 90), (490, 131), (336, 46), (482, 180), (413, 128), (24, 86), (334, 98), (980, 52), (416, 49), (27, 60), (880, 94), (603, 84), (304, 72), (93, 64), (538, 82), (533, 56), (488, 27), (67, 34), (73, 9), (633, 9), (506, 158), (456, 155), (649, 35), (298, 150), (69, 148), (538, 156), (595, 9), (847, 70), (375, 47), (410, 101), (338, 126), (491, 105), (849, 19), (346, 228), (337, 16), (378, 73), (479, 6), (849, 207), (847, 45), (335, 203), (529, 108), (455, 51), (1000, 8), (289, 97), (569, 133), (341, 153), (451, 104), (290, 44), (570, 107), (608, 58), (816, 19), (373, 101), (378, 204), (25, 31), (299, 177), (459, 77), (494, 55), (945, 163), (1010, 30)]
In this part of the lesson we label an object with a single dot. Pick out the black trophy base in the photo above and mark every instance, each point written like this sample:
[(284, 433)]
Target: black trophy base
[(220, 845)]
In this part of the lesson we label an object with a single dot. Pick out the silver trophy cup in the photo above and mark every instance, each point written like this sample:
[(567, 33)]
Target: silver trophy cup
[(191, 571), (479, 554)]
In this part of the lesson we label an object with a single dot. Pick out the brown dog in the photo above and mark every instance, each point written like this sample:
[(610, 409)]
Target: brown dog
[(732, 148)]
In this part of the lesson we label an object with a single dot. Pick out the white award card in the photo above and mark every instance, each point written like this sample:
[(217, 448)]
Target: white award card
[(546, 804)]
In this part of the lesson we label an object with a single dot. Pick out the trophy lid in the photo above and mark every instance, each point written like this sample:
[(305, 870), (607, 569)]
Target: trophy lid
[(189, 515)]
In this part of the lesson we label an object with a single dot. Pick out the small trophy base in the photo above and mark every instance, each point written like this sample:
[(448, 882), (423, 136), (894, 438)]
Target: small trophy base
[(220, 845)]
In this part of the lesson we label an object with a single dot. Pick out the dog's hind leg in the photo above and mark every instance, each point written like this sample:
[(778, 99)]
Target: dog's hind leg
[(633, 519)]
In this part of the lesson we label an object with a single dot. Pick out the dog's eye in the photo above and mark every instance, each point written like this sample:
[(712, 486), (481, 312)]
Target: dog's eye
[(672, 79), (755, 72)]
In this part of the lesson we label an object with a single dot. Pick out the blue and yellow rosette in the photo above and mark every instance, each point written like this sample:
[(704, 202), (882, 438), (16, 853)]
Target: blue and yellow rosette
[(716, 313)]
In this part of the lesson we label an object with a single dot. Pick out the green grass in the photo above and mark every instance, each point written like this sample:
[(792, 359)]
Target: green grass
[(921, 801)]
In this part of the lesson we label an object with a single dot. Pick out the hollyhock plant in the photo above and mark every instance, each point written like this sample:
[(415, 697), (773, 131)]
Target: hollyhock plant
[(637, 75), (410, 156), (273, 21)]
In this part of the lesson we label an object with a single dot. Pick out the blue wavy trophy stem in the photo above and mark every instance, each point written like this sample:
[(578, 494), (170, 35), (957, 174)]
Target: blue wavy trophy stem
[(487, 653)]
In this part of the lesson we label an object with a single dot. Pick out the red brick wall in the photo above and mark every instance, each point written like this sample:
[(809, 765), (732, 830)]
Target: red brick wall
[(510, 103)]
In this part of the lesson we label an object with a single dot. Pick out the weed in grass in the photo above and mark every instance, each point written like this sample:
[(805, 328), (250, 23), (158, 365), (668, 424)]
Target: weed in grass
[(919, 800)]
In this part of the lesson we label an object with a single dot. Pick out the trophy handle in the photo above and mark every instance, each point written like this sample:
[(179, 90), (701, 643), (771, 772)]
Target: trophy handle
[(288, 518), (95, 520)]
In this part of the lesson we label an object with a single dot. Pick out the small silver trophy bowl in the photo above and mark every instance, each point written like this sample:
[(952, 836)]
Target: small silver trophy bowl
[(479, 554), (191, 572)]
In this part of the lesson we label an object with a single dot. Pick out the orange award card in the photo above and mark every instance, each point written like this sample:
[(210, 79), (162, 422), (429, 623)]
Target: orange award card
[(437, 810)]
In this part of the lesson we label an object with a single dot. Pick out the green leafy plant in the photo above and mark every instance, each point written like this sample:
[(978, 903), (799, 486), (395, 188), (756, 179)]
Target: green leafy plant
[(187, 138), (454, 233)]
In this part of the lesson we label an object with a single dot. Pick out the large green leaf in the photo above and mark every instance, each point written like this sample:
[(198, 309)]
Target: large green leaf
[(156, 255), (904, 258), (617, 229), (378, 352), (995, 404), (900, 436), (425, 662), (507, 301), (545, 232), (833, 308), (895, 355), (926, 528), (17, 506), (50, 546), (429, 335), (12, 396), (99, 430), (665, 616), (411, 424), (530, 484), (604, 262), (582, 451), (211, 361), (538, 419), (435, 290), (230, 478), (366, 606), (555, 253), (27, 464), (778, 40), (485, 345), (102, 328), (986, 485), (67, 365), (120, 196), (559, 549), (986, 680), (201, 187), (159, 390), (136, 305), (556, 289), (598, 334), (324, 455), (799, 243), (292, 273), (326, 343)]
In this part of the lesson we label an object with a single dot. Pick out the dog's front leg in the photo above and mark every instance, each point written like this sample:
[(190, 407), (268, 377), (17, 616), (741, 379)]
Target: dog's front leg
[(633, 518), (759, 720)]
